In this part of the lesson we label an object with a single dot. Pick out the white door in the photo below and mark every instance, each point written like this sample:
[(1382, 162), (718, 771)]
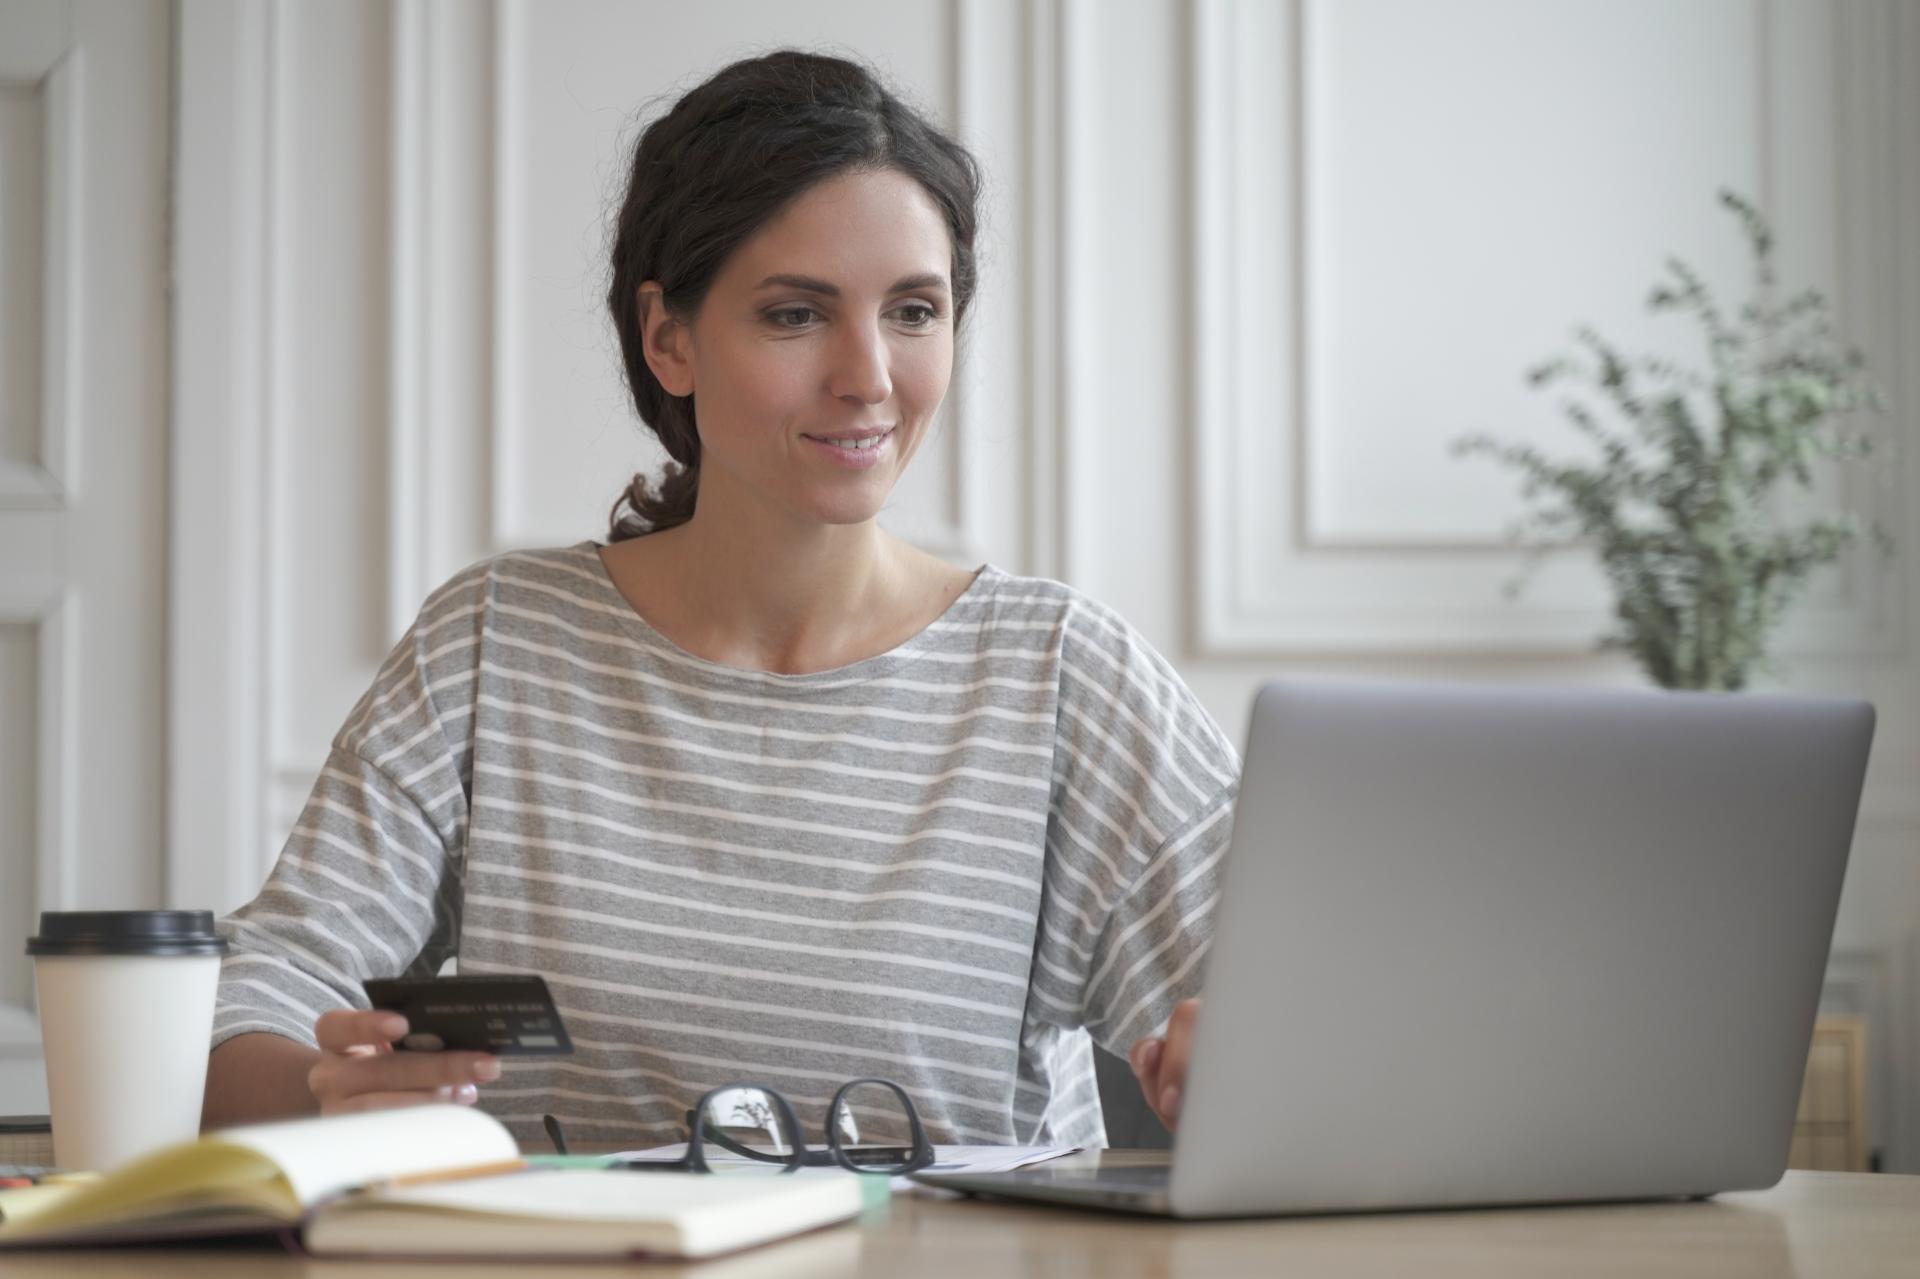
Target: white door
[(83, 467)]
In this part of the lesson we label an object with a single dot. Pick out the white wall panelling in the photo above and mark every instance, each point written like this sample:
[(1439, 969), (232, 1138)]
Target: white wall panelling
[(410, 270), (1012, 381), (19, 774), (41, 273), (1058, 177), (443, 192), (224, 360), (1003, 401), (1836, 78), (83, 94), (509, 307), (41, 631), (1332, 520), (1858, 57), (1045, 399), (38, 200)]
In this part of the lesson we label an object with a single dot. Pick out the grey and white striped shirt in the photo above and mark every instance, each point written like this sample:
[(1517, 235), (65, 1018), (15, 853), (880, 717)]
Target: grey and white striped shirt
[(943, 865)]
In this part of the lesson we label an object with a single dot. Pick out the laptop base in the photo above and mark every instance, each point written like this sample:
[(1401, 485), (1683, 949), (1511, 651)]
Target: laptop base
[(1137, 1190)]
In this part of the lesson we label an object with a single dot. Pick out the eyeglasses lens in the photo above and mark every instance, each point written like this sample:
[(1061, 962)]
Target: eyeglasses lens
[(873, 1129), (742, 1130)]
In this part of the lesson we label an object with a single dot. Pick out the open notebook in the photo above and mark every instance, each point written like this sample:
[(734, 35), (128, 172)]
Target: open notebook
[(425, 1181)]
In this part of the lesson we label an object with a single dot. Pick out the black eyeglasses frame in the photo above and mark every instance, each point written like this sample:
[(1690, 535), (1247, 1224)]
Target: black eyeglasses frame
[(800, 1155)]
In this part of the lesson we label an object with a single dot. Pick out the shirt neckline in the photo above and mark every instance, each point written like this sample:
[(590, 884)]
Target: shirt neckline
[(867, 668)]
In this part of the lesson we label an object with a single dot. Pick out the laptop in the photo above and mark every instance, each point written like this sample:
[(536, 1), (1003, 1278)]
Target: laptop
[(1486, 946)]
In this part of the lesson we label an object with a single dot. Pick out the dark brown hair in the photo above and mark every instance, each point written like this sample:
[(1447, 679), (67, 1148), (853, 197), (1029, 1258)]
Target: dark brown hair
[(726, 159)]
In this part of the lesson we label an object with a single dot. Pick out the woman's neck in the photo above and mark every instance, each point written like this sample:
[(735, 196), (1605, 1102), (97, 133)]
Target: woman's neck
[(763, 594)]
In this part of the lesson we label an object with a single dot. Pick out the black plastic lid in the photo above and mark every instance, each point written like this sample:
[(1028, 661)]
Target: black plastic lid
[(126, 932)]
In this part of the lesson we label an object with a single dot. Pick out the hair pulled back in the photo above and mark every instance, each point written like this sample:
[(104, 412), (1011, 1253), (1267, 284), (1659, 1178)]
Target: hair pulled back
[(727, 158)]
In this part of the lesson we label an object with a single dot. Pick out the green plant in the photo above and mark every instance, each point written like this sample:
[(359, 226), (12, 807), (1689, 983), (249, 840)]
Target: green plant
[(1679, 504)]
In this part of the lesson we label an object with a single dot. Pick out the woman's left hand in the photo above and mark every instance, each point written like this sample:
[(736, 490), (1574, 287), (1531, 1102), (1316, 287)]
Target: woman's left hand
[(1160, 1063)]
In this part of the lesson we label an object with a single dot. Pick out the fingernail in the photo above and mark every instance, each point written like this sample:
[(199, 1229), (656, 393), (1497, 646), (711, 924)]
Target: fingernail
[(1150, 1056), (466, 1094), (486, 1070), (1170, 1103), (393, 1026)]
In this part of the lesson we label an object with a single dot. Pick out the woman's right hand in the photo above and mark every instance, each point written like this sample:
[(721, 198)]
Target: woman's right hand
[(359, 1069)]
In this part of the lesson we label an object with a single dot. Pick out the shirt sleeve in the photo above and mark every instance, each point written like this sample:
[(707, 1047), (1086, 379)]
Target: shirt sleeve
[(368, 882), (1143, 790)]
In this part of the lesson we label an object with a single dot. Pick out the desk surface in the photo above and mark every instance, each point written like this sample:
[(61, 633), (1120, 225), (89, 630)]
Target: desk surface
[(1813, 1225)]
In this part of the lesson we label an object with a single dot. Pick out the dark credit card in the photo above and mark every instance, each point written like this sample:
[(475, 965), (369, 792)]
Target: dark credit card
[(510, 1016)]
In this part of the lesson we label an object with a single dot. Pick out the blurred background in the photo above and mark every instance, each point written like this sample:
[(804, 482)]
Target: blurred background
[(300, 312)]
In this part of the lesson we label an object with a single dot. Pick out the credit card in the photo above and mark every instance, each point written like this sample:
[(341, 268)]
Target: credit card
[(508, 1015)]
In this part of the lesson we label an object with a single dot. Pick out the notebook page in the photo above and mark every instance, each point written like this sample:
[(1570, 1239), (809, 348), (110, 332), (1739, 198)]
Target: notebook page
[(591, 1195), (322, 1157), (582, 1211)]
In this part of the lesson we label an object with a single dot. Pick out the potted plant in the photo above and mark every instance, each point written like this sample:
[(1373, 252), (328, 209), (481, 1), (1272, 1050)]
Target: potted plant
[(1681, 502)]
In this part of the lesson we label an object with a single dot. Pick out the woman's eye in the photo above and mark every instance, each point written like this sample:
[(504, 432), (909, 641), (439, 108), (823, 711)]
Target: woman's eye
[(915, 315)]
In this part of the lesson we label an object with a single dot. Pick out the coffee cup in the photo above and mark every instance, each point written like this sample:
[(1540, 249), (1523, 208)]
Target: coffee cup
[(126, 1014)]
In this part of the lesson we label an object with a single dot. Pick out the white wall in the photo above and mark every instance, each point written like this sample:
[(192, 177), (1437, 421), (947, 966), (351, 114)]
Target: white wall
[(83, 376), (1249, 266)]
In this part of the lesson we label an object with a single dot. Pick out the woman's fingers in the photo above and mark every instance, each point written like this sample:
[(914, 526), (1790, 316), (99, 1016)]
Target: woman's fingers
[(407, 1072), (465, 1095), (1149, 1059), (1160, 1063), (359, 1070), (1145, 1060), (349, 1028), (1171, 1082)]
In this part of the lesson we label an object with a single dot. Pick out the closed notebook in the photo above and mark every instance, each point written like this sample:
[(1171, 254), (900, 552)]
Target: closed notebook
[(425, 1181)]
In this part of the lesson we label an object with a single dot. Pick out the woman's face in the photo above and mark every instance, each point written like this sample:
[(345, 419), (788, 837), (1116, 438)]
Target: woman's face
[(821, 352)]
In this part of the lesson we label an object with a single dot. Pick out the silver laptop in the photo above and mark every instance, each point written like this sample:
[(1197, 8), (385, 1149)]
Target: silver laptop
[(1484, 946)]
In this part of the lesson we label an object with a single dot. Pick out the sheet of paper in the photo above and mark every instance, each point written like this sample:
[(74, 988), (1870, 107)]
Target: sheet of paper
[(945, 1159), (993, 1158)]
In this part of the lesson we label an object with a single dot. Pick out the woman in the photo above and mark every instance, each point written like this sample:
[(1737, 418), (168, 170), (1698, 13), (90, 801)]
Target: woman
[(764, 792)]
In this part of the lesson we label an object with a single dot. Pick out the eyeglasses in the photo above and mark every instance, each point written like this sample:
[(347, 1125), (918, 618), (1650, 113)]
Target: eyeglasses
[(871, 1127)]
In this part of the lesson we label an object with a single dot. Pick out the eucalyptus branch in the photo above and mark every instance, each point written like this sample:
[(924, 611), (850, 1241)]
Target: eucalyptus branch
[(1678, 505)]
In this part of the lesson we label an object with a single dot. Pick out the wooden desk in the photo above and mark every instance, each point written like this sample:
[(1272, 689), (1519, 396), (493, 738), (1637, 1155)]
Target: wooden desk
[(1813, 1225)]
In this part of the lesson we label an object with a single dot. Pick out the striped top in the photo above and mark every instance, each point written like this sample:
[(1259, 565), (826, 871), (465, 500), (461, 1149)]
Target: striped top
[(945, 865)]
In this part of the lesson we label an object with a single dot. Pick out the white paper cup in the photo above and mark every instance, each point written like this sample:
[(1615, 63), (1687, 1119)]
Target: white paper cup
[(126, 1016)]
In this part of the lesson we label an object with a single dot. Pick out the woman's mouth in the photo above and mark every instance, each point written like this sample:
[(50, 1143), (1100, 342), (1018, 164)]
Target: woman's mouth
[(856, 451)]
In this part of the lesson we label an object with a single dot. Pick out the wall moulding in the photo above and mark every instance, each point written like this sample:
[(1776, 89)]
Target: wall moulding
[(1272, 579), (46, 481), (226, 413), (50, 612)]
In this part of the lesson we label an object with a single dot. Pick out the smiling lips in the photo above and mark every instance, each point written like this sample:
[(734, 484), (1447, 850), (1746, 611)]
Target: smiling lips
[(856, 450), (860, 441)]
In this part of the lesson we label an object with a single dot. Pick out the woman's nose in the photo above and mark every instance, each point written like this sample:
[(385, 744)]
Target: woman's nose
[(859, 369)]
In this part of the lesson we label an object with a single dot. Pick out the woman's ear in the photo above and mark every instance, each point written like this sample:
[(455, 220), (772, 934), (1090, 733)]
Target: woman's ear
[(665, 341)]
